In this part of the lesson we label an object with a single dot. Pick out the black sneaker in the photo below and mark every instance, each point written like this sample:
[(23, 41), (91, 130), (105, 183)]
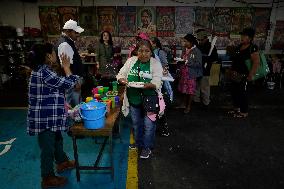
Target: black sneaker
[(145, 153)]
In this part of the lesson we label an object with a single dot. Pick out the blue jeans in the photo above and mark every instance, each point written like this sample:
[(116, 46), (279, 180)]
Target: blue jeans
[(144, 128)]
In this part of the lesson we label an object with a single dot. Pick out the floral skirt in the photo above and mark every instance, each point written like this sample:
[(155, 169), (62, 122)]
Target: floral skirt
[(186, 85)]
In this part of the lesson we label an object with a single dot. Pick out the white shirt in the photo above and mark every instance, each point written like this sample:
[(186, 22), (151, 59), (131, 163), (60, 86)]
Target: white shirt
[(66, 49)]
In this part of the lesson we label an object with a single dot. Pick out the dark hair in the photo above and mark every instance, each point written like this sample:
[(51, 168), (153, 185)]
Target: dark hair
[(148, 12), (191, 39), (38, 54), (250, 32), (110, 42), (157, 42), (146, 43)]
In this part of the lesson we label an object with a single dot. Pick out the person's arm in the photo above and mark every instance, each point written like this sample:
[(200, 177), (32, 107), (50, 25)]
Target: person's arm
[(55, 81), (195, 59), (157, 74), (123, 72), (163, 57), (98, 57), (255, 64), (65, 48)]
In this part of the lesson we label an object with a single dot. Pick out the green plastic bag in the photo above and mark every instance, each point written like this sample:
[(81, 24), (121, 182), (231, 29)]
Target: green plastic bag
[(263, 68)]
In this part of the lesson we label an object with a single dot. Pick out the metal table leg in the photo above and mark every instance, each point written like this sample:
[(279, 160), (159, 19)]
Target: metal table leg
[(76, 158)]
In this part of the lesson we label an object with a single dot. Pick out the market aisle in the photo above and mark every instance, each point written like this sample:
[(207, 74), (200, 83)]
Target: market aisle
[(20, 167), (210, 150)]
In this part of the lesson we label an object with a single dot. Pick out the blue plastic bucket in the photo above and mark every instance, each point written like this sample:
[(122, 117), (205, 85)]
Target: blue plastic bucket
[(93, 114)]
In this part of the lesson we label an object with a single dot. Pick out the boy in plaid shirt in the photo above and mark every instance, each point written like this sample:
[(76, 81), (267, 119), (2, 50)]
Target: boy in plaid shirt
[(46, 113)]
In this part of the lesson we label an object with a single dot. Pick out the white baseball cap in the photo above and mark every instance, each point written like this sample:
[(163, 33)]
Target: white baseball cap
[(72, 25)]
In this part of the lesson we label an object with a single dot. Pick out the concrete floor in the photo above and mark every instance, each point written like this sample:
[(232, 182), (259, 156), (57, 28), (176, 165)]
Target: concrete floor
[(20, 165), (210, 150), (206, 149)]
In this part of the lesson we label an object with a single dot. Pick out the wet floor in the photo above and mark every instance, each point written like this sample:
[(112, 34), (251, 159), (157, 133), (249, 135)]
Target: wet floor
[(211, 150)]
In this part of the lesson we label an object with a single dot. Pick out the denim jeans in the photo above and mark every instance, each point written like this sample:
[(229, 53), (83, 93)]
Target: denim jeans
[(144, 128), (51, 149)]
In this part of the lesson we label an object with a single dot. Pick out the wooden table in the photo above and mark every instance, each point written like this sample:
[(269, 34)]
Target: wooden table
[(78, 130)]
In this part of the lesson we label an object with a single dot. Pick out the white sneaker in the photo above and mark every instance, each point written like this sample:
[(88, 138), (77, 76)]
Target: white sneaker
[(145, 153)]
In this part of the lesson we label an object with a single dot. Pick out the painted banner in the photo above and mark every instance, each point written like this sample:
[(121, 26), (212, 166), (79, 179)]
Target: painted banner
[(261, 21), (241, 18), (203, 18), (278, 38), (184, 20), (146, 20), (126, 19), (88, 20), (106, 19), (67, 13), (165, 21), (49, 20), (222, 21)]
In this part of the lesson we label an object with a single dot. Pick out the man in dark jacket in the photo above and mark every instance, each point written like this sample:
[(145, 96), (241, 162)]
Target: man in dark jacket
[(203, 87), (66, 45)]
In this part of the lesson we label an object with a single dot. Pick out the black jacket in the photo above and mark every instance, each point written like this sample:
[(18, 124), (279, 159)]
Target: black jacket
[(207, 60)]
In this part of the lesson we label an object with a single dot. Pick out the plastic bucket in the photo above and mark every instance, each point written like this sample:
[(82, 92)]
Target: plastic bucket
[(93, 114)]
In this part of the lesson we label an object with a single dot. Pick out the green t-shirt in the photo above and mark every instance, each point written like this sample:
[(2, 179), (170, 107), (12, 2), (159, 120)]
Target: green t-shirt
[(134, 95)]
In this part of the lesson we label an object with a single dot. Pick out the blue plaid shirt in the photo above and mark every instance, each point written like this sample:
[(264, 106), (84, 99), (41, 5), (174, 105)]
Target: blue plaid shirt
[(46, 100)]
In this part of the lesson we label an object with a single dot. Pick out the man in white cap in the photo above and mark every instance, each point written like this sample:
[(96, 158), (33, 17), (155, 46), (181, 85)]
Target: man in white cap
[(66, 45), (202, 93)]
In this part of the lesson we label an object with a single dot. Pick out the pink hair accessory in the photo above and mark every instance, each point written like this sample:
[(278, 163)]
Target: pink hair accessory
[(143, 36)]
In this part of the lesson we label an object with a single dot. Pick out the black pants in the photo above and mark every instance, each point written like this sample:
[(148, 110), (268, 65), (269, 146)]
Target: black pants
[(240, 95)]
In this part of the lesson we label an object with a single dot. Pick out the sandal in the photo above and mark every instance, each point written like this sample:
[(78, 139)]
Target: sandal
[(241, 115), (186, 111), (180, 107), (233, 112)]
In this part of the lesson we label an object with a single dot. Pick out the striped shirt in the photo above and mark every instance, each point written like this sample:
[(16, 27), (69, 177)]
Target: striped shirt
[(46, 100)]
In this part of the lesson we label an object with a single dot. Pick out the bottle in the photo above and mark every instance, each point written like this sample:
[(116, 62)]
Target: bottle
[(114, 85)]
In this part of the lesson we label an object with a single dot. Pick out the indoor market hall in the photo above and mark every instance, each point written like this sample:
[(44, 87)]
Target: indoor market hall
[(141, 94)]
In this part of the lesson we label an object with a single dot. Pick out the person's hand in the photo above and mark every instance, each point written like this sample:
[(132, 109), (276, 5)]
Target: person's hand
[(250, 77), (149, 86), (65, 64), (65, 60), (77, 87), (123, 81), (97, 65)]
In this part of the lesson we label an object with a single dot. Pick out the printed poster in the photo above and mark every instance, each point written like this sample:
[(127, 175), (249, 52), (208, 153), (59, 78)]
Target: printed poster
[(146, 20), (222, 21), (49, 20), (203, 18), (261, 21), (165, 21), (184, 20), (67, 13), (107, 19), (278, 38), (126, 17), (241, 18), (88, 20)]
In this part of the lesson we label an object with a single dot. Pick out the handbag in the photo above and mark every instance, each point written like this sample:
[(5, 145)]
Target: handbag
[(236, 76), (262, 69), (151, 103)]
